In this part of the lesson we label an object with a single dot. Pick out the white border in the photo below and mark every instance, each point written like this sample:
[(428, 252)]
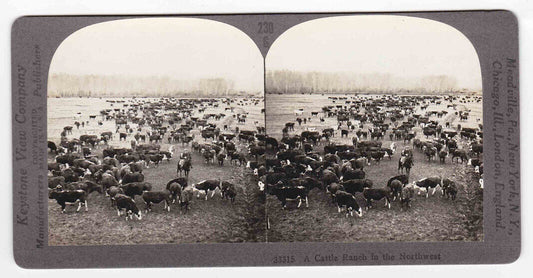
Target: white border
[(523, 9)]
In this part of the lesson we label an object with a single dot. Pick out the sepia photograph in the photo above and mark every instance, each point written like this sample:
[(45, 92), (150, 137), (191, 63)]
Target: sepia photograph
[(377, 122), (152, 123)]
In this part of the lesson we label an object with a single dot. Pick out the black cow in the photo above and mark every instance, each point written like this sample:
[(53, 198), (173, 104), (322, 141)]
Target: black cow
[(459, 154), (52, 146), (156, 197), (132, 177), (228, 191), (136, 188), (403, 178), (87, 186), (376, 194), (396, 187), (69, 197), (345, 199), (449, 188), (112, 192), (356, 185), (126, 203), (285, 193), (328, 177), (333, 188), (175, 187), (53, 182), (351, 174)]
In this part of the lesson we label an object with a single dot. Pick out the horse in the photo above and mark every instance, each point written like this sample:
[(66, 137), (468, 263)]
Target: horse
[(185, 166), (405, 162)]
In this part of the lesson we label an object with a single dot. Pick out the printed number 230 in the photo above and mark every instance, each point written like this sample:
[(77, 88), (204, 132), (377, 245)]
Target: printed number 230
[(265, 27)]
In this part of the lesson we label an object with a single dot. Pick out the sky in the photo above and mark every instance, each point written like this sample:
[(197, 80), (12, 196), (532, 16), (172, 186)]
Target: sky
[(180, 48), (406, 47)]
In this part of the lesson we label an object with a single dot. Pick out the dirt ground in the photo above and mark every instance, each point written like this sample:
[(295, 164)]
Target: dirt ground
[(211, 221), (433, 219)]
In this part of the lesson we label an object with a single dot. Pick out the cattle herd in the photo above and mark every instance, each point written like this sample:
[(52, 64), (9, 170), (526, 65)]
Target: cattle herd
[(114, 162), (364, 131), (308, 153)]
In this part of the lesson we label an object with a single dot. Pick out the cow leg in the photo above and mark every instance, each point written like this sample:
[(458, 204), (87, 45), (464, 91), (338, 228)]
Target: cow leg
[(206, 193), (434, 189), (79, 207), (299, 202), (86, 207), (213, 194), (306, 202), (338, 209), (118, 212)]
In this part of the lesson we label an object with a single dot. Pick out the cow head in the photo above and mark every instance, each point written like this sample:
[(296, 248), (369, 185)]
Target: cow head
[(359, 212), (261, 186)]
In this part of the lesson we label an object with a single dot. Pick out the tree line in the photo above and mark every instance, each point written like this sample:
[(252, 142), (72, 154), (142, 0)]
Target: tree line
[(295, 82), (67, 85)]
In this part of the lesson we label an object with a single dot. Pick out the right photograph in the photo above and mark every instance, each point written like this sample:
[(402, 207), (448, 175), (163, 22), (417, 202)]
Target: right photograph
[(376, 130)]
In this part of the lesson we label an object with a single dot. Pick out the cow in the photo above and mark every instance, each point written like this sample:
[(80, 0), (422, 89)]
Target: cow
[(449, 188), (220, 159), (175, 187), (228, 191), (376, 194), (206, 185), (126, 203), (69, 197), (284, 193), (442, 156), (345, 199), (360, 163), (328, 177), (136, 188), (477, 149), (52, 146), (156, 197), (403, 178), (396, 187), (406, 196), (186, 197), (427, 183), (132, 177), (112, 192), (333, 188), (241, 158), (351, 174), (459, 154), (356, 185), (54, 182), (108, 180), (87, 186)]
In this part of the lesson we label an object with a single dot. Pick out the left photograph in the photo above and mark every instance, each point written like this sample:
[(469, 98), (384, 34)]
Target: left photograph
[(152, 127)]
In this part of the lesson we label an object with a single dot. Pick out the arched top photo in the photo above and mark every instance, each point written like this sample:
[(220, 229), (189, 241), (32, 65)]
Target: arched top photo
[(378, 52), (155, 57)]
